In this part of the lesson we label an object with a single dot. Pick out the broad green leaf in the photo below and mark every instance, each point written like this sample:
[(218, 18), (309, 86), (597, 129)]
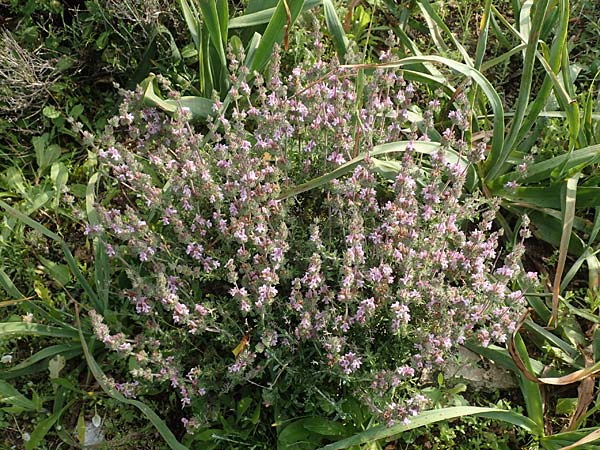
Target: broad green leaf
[(212, 23), (81, 427), (497, 156), (543, 170), (568, 349), (55, 365), (335, 29), (200, 107), (580, 439), (525, 21), (264, 16), (276, 30), (191, 21), (50, 112)]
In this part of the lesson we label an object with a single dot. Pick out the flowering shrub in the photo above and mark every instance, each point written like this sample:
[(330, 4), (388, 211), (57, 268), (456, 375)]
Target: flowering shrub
[(353, 288)]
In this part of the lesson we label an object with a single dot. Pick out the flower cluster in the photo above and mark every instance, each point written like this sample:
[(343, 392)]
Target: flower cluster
[(361, 282)]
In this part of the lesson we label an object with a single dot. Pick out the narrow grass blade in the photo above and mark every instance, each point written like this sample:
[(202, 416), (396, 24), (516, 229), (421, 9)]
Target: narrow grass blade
[(428, 418), (7, 284), (46, 353), (435, 21), (101, 378), (11, 329), (581, 443), (68, 255), (573, 377), (277, 28), (264, 16), (494, 165), (484, 27), (568, 349), (40, 366), (568, 216), (211, 20), (400, 146), (223, 14), (543, 170), (414, 50), (10, 395), (191, 21), (497, 156), (502, 58), (525, 21), (42, 428), (591, 260), (335, 29), (549, 227)]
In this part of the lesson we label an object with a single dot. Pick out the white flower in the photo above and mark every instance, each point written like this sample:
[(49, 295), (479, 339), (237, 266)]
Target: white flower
[(6, 359)]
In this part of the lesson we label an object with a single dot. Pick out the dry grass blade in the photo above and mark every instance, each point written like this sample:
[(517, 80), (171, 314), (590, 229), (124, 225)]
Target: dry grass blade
[(568, 217), (593, 436), (585, 397), (515, 354)]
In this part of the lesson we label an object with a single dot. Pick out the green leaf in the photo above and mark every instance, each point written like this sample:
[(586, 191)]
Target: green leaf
[(12, 329), (400, 146), (212, 23), (10, 395), (58, 272), (530, 390), (102, 380), (430, 417), (55, 365), (42, 428), (45, 154), (45, 354), (264, 16), (59, 175), (543, 170), (436, 23), (568, 210), (275, 31), (7, 284), (191, 21), (81, 427), (497, 156), (200, 107), (335, 29), (50, 112), (68, 255)]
